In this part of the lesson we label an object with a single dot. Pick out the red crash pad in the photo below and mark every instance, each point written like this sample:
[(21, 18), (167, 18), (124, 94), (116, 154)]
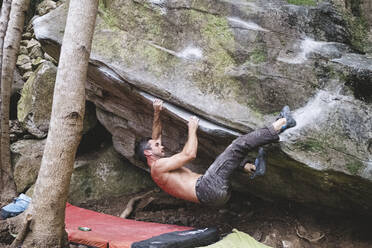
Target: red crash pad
[(110, 231)]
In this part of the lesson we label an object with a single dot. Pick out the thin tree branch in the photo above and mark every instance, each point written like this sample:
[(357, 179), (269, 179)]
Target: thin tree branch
[(129, 208), (22, 233)]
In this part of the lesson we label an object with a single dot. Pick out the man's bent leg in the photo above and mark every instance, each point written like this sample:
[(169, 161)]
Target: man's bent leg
[(213, 188), (234, 154)]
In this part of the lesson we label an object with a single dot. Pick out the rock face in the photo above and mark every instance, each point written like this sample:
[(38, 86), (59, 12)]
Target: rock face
[(235, 64), (45, 6), (35, 105), (96, 175), (27, 155), (105, 173)]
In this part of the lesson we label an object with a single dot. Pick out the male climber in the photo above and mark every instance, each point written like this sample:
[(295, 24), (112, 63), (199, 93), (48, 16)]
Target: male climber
[(212, 188)]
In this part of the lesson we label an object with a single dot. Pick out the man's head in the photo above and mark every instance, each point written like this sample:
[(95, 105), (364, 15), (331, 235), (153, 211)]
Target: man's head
[(148, 147)]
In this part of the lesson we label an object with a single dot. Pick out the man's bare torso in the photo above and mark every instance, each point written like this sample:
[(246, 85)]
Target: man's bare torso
[(179, 183)]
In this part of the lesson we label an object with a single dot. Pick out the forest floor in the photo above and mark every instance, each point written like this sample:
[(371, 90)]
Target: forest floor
[(277, 224)]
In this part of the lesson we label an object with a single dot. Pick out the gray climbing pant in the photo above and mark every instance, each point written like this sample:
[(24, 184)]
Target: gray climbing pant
[(213, 188)]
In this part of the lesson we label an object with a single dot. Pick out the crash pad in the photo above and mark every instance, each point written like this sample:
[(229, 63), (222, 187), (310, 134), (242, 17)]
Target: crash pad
[(237, 239), (181, 239), (110, 231)]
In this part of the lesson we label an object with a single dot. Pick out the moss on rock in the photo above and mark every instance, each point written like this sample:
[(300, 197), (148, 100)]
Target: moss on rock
[(37, 96), (356, 24), (354, 167), (258, 55), (303, 2)]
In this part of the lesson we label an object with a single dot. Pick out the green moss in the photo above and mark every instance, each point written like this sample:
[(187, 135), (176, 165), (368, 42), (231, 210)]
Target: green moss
[(312, 145), (200, 5), (102, 4), (258, 55), (354, 167), (356, 25), (219, 42), (108, 17), (359, 29), (24, 106), (216, 31), (302, 2), (141, 20), (156, 59), (108, 45)]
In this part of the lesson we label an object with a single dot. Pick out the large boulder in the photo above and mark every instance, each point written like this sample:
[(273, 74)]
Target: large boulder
[(235, 64), (103, 174), (35, 104), (45, 6), (96, 175), (26, 157)]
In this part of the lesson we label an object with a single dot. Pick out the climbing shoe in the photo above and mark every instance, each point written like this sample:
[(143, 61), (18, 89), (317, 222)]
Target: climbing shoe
[(260, 163), (290, 121)]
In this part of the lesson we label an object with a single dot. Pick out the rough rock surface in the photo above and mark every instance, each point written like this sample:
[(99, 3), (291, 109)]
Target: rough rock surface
[(35, 105), (99, 174), (96, 174), (45, 6), (26, 156), (235, 63)]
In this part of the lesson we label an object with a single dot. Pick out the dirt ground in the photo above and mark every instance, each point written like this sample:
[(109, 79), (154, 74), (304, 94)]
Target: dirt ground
[(277, 224)]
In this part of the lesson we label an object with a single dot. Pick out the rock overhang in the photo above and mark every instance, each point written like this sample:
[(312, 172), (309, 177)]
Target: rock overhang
[(123, 83)]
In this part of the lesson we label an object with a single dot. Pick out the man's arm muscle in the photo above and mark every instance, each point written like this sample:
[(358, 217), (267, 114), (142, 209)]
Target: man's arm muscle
[(172, 163), (187, 154), (157, 125)]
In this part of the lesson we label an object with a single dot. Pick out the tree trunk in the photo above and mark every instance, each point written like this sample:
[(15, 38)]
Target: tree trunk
[(65, 131), (11, 46), (4, 19)]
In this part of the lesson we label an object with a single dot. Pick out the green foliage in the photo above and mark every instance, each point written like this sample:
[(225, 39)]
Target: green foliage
[(302, 2)]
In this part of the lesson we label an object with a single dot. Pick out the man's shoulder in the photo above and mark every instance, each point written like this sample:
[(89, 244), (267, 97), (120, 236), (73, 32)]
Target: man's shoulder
[(160, 162), (157, 171), (162, 165)]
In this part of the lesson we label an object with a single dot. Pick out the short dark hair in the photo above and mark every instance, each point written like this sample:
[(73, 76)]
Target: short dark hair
[(141, 146)]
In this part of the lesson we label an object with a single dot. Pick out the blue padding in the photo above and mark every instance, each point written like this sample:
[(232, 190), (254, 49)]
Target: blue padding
[(19, 205)]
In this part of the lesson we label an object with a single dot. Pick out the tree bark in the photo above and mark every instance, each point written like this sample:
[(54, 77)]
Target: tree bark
[(22, 233), (11, 46), (65, 131), (4, 19)]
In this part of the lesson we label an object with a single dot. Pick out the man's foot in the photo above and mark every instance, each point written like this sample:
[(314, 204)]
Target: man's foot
[(260, 163), (290, 121), (249, 168)]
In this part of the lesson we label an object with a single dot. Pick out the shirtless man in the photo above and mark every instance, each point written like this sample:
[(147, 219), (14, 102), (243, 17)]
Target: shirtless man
[(212, 188)]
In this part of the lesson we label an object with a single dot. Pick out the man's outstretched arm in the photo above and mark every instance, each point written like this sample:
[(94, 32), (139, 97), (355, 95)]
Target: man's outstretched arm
[(156, 125), (191, 145), (188, 152)]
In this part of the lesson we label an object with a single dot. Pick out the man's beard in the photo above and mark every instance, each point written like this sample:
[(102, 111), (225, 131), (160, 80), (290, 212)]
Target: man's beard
[(159, 155)]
